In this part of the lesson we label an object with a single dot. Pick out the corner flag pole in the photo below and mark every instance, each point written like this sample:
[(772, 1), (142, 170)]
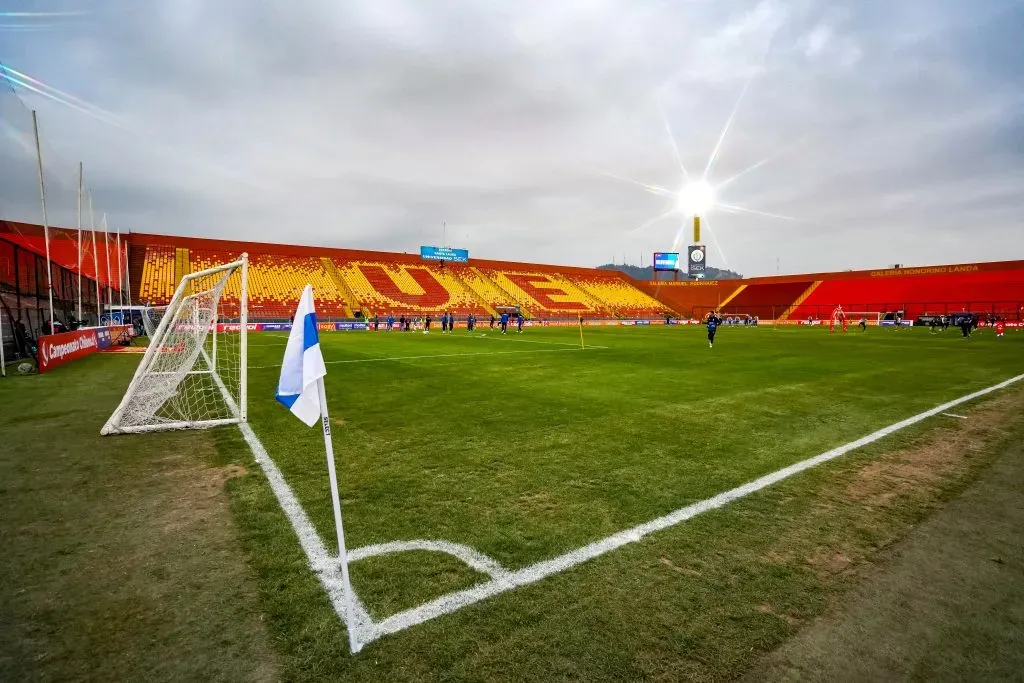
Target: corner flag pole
[(581, 333), (350, 625)]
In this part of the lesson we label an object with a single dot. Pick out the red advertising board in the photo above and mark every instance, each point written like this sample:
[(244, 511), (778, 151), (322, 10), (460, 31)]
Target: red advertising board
[(58, 349)]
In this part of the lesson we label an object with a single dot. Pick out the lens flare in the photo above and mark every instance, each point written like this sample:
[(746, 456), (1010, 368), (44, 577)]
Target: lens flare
[(696, 198)]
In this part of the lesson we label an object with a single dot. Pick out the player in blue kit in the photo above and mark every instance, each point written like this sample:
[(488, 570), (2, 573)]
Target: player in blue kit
[(504, 322), (519, 322), (713, 322)]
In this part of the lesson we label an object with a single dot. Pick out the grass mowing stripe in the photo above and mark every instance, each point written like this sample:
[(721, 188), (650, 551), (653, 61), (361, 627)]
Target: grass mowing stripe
[(436, 355), (368, 630), (456, 601)]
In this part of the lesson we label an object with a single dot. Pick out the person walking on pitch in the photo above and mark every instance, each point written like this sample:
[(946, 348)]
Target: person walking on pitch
[(519, 322), (713, 322)]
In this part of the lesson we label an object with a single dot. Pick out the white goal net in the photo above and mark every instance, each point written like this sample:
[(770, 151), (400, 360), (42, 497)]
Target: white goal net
[(193, 374), (151, 317)]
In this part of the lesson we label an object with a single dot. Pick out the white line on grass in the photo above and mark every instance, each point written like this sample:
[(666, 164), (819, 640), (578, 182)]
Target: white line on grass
[(477, 560), (323, 564), (505, 580), (962, 417), (434, 355)]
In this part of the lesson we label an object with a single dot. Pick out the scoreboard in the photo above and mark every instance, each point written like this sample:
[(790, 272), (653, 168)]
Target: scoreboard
[(666, 260)]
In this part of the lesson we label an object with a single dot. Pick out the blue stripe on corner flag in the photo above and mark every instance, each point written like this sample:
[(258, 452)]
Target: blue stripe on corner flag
[(310, 336), (287, 399)]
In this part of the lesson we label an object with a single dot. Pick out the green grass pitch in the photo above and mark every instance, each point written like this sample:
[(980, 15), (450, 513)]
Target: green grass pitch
[(524, 447)]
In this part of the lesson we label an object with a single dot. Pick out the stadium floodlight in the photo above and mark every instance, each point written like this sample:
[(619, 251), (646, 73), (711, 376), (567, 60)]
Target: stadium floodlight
[(193, 374), (696, 198)]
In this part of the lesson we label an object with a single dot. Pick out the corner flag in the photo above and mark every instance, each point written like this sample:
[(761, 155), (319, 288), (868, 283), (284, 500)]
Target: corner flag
[(303, 364), (301, 390)]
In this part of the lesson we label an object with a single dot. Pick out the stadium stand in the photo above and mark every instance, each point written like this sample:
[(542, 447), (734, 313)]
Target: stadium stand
[(541, 292), (622, 297), (404, 289), (765, 300), (997, 292), (156, 285), (368, 282), (691, 299), (275, 283), (488, 293), (64, 249)]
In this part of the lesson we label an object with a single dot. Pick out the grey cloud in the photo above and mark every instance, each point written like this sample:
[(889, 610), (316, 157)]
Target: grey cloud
[(368, 123)]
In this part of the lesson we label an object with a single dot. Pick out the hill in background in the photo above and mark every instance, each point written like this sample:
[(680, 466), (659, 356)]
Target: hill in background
[(647, 272)]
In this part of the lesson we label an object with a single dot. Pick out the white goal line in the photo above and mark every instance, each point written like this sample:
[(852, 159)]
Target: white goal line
[(503, 580)]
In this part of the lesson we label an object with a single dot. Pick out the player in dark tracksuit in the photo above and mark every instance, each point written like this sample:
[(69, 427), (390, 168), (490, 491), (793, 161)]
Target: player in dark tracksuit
[(965, 325), (504, 323), (519, 322), (713, 322)]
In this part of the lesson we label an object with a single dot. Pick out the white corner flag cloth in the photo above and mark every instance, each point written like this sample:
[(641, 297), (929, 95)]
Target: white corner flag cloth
[(303, 364)]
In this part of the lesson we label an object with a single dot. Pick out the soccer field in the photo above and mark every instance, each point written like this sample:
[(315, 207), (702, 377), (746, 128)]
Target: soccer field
[(521, 449)]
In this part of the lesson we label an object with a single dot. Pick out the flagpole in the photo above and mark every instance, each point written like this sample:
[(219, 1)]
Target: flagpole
[(581, 333), (350, 613), (106, 257), (120, 275), (46, 223), (79, 240), (95, 262)]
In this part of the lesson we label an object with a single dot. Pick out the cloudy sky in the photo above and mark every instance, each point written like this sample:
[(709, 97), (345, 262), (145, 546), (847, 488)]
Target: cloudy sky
[(893, 131)]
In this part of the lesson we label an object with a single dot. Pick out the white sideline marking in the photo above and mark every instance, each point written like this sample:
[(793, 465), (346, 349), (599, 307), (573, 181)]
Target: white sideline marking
[(435, 355), (324, 565), (504, 580), (962, 417)]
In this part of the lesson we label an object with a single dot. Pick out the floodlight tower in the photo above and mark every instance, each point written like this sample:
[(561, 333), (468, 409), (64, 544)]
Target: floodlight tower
[(696, 199)]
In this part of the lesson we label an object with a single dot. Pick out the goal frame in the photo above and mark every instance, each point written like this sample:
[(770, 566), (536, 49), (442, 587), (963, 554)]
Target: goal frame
[(852, 316), (239, 408)]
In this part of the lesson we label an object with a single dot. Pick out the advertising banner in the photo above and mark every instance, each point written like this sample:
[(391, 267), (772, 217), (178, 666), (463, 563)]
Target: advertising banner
[(444, 254), (697, 255), (103, 338), (237, 327), (58, 349)]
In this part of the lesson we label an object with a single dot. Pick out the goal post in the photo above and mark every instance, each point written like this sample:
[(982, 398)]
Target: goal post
[(194, 372)]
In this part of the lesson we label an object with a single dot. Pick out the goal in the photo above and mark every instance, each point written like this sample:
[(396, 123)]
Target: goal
[(151, 317), (854, 317), (193, 374)]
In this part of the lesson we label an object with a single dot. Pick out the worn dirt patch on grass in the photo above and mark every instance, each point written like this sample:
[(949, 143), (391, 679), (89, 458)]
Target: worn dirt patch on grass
[(948, 451)]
